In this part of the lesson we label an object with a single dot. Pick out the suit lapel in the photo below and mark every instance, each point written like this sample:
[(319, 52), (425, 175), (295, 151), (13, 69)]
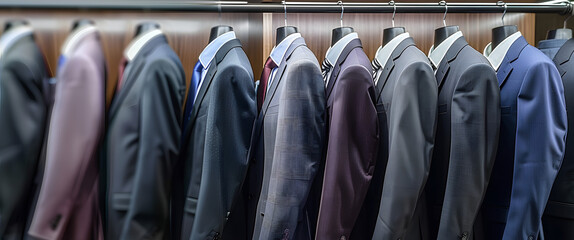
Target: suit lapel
[(355, 43), (563, 56), (506, 66), (390, 65), (451, 54)]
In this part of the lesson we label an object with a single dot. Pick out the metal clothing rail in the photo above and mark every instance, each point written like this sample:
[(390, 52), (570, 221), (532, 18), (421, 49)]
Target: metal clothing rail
[(292, 7)]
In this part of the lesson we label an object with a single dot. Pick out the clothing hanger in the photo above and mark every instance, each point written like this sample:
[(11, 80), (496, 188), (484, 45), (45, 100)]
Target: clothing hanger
[(145, 27), (14, 23), (283, 32), (81, 22), (442, 33), (504, 31), (392, 32), (219, 29), (340, 32), (561, 33)]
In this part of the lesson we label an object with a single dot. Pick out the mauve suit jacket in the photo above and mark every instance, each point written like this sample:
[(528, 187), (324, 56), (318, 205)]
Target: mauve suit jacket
[(558, 219), (67, 207), (142, 143), (532, 141), (353, 139), (214, 150), (465, 143), (407, 89), (23, 117), (286, 150)]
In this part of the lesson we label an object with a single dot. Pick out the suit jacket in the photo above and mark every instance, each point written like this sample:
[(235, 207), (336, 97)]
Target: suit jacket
[(216, 141), (67, 207), (551, 46), (352, 145), (286, 150), (23, 116), (465, 144), (407, 89), (142, 143), (531, 146), (558, 220)]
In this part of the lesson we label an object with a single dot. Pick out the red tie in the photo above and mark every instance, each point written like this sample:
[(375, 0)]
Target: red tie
[(123, 64), (269, 65)]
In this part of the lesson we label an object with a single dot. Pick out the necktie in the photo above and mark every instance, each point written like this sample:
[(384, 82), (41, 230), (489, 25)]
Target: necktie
[(195, 79), (269, 65), (326, 67), (123, 64), (376, 66)]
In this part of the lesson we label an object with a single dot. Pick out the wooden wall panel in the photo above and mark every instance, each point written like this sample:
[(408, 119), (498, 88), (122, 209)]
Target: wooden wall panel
[(187, 33), (316, 28)]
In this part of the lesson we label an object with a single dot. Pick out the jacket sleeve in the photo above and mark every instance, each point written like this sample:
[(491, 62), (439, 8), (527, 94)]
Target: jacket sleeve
[(351, 153), (77, 122), (540, 144), (475, 126), (413, 117), (298, 149), (159, 121), (230, 119)]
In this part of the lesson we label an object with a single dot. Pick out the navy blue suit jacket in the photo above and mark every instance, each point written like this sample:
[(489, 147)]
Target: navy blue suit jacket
[(531, 147)]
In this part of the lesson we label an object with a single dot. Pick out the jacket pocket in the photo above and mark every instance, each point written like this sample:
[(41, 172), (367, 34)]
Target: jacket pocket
[(121, 201)]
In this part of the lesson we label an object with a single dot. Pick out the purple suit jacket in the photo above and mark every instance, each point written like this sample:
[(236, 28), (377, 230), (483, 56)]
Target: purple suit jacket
[(352, 145), (67, 206)]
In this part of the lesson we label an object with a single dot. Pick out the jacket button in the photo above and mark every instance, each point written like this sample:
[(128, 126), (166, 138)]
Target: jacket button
[(56, 221), (262, 214), (343, 238), (530, 238), (464, 236)]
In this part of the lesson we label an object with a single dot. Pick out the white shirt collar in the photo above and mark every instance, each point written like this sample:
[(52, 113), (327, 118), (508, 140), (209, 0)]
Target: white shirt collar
[(75, 37), (384, 52), (137, 43), (213, 47), (11, 36), (495, 56), (335, 51), (279, 51), (437, 54)]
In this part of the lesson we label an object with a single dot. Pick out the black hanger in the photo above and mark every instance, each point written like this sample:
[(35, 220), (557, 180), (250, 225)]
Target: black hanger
[(560, 33), (81, 22), (218, 31), (340, 32), (14, 23), (442, 33), (283, 32), (392, 32), (145, 27), (502, 32)]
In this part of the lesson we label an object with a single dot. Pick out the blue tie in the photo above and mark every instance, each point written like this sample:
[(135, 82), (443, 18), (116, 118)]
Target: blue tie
[(195, 79), (61, 61)]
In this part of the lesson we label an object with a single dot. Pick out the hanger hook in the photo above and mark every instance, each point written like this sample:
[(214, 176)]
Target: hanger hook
[(505, 8), (394, 11), (285, 10), (571, 13), (445, 11), (342, 11)]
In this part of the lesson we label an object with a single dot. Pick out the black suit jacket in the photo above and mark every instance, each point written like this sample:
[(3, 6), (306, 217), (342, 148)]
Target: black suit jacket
[(466, 141), (142, 143), (23, 118), (214, 150)]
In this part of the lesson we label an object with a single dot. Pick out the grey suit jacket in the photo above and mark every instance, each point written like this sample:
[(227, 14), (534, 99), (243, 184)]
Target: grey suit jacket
[(23, 117), (67, 206), (466, 141), (142, 143), (408, 91), (286, 149), (215, 145)]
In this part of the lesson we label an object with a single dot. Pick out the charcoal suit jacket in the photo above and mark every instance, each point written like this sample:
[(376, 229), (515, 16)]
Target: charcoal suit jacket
[(465, 143), (67, 207), (142, 143), (353, 139), (532, 141), (286, 150), (24, 109), (558, 219), (407, 89), (215, 146)]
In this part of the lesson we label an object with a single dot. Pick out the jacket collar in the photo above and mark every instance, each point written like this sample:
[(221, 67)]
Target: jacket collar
[(355, 43), (12, 36), (496, 56), (564, 55), (75, 38), (512, 54), (438, 53), (450, 55), (390, 63), (138, 43)]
